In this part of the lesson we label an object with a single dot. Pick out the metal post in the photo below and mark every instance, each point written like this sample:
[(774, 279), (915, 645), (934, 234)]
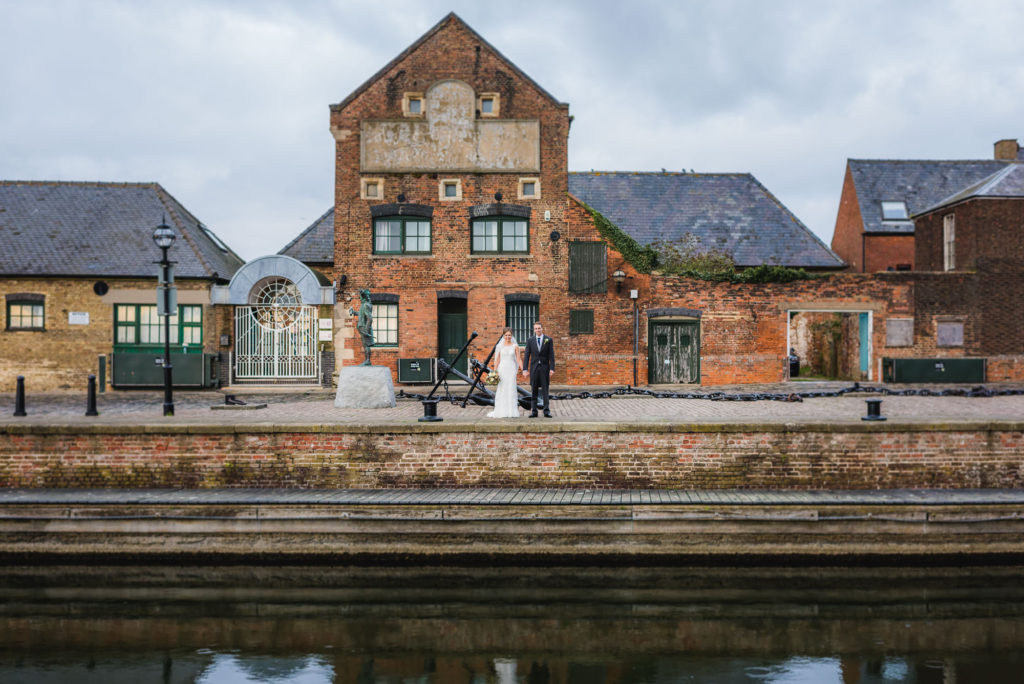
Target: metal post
[(90, 400), (874, 410), (168, 391), (19, 398)]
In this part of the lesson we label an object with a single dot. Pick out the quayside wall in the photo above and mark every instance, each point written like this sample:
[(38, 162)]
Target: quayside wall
[(576, 455)]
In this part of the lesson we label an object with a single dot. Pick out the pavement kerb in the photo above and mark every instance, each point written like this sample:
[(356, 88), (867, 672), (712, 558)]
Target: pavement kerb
[(510, 427)]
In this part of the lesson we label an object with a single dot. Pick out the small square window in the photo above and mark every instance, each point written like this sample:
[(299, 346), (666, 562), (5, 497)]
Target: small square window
[(371, 188), (581, 322), (895, 211), (450, 189), (529, 188), (488, 104), (412, 104)]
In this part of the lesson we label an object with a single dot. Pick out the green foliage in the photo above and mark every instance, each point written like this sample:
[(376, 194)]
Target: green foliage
[(687, 257), (642, 258)]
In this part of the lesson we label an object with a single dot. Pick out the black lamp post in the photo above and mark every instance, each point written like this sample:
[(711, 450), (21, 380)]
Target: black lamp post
[(164, 237)]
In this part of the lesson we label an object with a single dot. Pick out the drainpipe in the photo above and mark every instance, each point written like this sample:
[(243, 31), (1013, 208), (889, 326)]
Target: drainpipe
[(636, 339)]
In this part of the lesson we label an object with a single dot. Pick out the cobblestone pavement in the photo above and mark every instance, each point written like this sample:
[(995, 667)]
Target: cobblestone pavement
[(316, 407)]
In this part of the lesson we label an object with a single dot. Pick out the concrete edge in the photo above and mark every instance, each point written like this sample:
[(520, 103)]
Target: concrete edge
[(510, 428)]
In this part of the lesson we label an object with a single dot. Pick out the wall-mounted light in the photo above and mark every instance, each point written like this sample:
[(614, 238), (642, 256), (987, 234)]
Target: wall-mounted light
[(619, 275)]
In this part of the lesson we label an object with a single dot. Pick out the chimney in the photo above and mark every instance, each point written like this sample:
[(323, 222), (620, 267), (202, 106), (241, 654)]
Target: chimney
[(1007, 150)]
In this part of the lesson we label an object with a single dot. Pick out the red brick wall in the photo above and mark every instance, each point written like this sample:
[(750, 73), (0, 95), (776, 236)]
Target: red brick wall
[(847, 236), (744, 327), (886, 252), (989, 234), (857, 457)]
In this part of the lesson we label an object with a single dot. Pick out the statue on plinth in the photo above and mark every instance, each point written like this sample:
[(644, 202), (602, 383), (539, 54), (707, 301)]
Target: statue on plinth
[(364, 324)]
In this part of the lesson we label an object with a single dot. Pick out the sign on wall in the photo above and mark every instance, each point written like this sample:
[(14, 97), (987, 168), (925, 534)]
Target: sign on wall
[(78, 318)]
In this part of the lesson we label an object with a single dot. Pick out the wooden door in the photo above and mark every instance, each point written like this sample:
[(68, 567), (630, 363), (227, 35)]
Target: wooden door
[(451, 331), (673, 352)]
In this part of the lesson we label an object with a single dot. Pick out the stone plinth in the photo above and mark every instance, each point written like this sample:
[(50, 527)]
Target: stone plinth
[(365, 387)]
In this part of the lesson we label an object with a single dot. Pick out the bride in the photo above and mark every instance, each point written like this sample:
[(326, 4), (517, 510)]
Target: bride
[(508, 362)]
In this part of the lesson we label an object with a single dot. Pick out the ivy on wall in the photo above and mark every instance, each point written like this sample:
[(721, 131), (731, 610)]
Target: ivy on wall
[(683, 258)]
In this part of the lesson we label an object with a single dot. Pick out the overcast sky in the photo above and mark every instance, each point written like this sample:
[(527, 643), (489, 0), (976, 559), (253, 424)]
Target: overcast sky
[(225, 102)]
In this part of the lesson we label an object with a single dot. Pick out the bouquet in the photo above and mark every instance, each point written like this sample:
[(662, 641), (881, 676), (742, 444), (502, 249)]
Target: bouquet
[(492, 378)]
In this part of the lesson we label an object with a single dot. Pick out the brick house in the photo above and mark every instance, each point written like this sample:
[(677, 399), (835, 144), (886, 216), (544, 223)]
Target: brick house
[(970, 289), (455, 208), (78, 280), (874, 231)]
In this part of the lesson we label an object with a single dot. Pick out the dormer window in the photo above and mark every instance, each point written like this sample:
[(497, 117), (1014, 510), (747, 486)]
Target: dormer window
[(895, 211), (488, 104), (412, 104)]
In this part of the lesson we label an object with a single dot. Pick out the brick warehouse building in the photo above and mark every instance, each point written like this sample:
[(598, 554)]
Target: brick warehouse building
[(454, 206), (78, 280)]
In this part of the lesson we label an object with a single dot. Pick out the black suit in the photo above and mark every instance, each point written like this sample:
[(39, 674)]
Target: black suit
[(540, 361)]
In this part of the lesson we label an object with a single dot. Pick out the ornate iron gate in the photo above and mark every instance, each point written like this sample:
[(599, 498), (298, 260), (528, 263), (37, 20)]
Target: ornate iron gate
[(276, 343)]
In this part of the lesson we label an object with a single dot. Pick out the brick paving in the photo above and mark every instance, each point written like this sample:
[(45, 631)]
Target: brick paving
[(316, 407)]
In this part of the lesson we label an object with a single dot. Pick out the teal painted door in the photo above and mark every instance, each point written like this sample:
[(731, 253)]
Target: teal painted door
[(864, 344), (673, 352), (451, 331)]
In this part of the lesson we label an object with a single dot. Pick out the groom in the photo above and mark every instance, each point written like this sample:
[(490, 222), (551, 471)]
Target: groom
[(540, 359)]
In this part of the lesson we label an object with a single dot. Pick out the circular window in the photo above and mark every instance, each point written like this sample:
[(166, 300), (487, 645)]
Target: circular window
[(278, 303)]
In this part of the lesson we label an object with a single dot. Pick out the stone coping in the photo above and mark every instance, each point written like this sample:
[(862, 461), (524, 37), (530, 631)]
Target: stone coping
[(517, 427)]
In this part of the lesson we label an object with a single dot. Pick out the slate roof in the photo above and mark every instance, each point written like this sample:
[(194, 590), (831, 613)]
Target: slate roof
[(731, 211), (50, 228), (920, 183), (1008, 182), (315, 245)]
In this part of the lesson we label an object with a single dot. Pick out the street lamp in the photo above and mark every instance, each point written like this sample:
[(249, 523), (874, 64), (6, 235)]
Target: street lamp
[(164, 237)]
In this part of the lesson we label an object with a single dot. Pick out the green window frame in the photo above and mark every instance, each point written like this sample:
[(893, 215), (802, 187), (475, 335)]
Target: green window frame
[(581, 322), (520, 316), (401, 235), (385, 324), (500, 235), (25, 313), (138, 328), (588, 267)]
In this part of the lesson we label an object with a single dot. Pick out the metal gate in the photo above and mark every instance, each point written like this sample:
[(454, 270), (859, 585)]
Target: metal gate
[(276, 343)]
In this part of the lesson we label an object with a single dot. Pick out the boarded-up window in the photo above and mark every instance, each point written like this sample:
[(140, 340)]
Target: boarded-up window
[(581, 321), (588, 269), (949, 334), (899, 332)]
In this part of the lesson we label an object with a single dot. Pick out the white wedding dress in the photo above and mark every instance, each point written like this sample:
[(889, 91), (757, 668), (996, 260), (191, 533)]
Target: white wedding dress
[(506, 397)]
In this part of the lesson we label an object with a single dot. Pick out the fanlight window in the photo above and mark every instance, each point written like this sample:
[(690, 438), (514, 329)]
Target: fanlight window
[(278, 304)]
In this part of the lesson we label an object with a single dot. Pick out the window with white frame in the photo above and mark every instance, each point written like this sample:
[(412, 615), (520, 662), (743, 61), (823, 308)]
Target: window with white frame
[(385, 324), (895, 210), (949, 242)]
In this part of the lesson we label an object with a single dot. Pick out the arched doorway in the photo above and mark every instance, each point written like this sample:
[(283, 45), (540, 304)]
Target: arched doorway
[(277, 302)]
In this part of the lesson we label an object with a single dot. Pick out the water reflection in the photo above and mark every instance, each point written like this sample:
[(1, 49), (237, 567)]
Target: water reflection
[(503, 626)]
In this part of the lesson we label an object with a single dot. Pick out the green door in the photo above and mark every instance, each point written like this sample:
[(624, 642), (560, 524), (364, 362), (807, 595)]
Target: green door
[(451, 331), (674, 352)]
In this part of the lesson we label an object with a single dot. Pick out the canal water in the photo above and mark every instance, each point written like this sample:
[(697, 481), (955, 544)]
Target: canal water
[(312, 625)]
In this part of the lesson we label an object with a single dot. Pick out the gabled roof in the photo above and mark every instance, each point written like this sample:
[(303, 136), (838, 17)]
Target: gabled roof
[(1005, 183), (50, 228), (455, 19), (919, 183), (315, 245), (730, 211)]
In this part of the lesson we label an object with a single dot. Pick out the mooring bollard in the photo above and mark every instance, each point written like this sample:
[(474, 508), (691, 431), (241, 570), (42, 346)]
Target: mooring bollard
[(90, 400), (19, 397), (874, 410), (430, 411)]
